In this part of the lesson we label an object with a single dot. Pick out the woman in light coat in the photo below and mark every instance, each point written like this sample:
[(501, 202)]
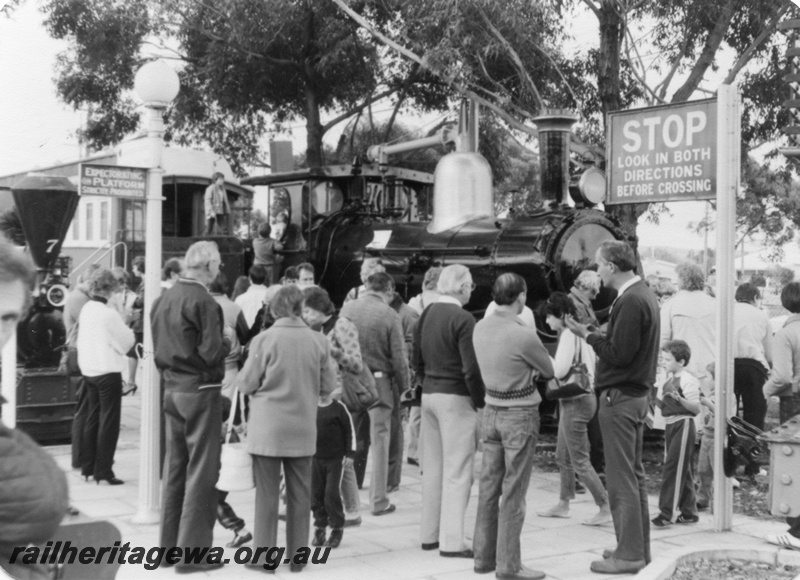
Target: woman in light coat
[(288, 367)]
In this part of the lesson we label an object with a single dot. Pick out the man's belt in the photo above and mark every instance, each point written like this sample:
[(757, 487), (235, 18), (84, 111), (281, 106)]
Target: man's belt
[(515, 394)]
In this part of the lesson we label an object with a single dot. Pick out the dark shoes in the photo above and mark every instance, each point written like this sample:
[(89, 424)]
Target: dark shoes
[(111, 480), (296, 567), (412, 461), (615, 566), (522, 574), (192, 568), (461, 554), (319, 537), (484, 570), (660, 521), (682, 519), (431, 546), (387, 510), (239, 540), (703, 505), (393, 489), (353, 522), (335, 539)]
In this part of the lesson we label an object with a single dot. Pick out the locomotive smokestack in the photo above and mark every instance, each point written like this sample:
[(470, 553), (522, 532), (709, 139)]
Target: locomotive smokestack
[(45, 204), (555, 127)]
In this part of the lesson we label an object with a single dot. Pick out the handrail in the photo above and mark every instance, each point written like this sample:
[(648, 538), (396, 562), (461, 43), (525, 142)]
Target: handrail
[(104, 254)]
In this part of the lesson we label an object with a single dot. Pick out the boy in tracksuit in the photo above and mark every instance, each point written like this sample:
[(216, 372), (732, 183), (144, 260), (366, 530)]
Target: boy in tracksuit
[(679, 404), (334, 447)]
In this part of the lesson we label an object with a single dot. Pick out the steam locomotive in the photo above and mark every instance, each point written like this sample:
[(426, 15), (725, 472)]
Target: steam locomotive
[(347, 215)]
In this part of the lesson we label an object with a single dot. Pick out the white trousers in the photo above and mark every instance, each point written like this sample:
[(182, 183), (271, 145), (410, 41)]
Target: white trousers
[(448, 455)]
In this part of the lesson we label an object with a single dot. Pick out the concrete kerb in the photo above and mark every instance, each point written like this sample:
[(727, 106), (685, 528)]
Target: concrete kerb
[(664, 568)]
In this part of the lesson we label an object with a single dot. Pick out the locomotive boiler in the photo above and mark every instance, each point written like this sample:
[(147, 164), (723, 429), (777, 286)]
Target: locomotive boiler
[(548, 247)]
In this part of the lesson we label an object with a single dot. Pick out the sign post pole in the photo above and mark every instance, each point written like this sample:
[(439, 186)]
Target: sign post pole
[(728, 174)]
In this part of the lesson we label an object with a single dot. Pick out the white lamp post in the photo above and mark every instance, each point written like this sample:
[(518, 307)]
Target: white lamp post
[(157, 85)]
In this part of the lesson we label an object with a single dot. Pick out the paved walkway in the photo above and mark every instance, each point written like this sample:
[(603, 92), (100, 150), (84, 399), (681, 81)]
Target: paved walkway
[(388, 546)]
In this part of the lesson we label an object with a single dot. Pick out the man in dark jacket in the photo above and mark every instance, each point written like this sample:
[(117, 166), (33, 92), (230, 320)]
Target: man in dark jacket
[(626, 370), (190, 350), (33, 490)]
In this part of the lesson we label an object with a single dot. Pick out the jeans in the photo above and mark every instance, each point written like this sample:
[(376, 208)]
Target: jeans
[(509, 442), (572, 448)]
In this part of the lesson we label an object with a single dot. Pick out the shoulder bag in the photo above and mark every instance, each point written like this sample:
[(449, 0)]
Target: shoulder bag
[(577, 382), (236, 464), (359, 391)]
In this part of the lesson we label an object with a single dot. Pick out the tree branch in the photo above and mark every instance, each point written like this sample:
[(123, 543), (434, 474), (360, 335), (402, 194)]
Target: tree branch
[(664, 84), (715, 38), (766, 32), (526, 78), (642, 81), (347, 114), (593, 7)]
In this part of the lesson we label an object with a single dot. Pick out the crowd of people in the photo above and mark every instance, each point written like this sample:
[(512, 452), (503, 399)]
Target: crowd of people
[(317, 390)]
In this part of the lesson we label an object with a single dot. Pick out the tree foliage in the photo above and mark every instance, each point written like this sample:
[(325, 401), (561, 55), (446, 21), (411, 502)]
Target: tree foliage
[(246, 66)]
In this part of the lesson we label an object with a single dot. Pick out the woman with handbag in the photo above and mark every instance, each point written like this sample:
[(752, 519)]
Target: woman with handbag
[(289, 365), (319, 314), (574, 370)]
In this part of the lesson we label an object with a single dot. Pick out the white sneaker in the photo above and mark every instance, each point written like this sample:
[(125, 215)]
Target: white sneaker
[(735, 483), (784, 541)]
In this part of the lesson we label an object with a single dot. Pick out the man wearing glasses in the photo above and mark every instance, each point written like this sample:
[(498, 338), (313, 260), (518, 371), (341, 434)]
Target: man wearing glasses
[(626, 369)]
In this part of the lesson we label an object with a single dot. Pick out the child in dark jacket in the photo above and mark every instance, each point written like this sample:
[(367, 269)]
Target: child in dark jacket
[(334, 447)]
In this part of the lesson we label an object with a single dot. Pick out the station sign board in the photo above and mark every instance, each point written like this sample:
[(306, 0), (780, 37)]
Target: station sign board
[(665, 153), (113, 181)]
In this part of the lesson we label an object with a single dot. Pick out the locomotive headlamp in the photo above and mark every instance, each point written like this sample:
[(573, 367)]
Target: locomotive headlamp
[(589, 187), (57, 295)]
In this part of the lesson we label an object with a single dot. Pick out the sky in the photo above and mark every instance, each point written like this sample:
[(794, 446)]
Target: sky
[(38, 130)]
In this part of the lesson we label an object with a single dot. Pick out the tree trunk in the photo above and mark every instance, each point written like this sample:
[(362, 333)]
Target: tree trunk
[(314, 131), (609, 87), (608, 65)]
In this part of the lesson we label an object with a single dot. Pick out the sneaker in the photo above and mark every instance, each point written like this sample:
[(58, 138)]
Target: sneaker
[(335, 538), (660, 521), (319, 537), (682, 519), (784, 541), (702, 506)]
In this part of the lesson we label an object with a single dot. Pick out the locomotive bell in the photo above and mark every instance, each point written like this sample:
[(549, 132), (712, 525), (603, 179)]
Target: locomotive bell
[(46, 205), (462, 191)]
